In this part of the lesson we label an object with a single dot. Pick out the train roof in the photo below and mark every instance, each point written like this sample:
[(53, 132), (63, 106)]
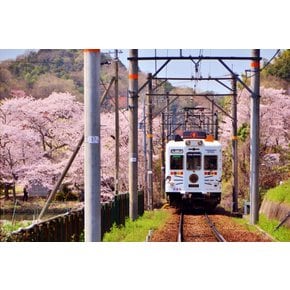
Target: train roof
[(194, 138)]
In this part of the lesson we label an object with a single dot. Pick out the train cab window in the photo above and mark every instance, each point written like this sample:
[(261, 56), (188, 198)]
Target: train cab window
[(210, 162), (176, 162), (193, 161)]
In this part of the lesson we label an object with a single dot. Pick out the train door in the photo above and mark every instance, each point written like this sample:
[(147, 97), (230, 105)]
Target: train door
[(193, 179)]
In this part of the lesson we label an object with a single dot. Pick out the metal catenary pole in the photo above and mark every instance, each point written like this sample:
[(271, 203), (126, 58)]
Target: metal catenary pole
[(162, 154), (133, 134), (254, 136), (234, 147), (216, 124), (150, 143), (92, 145), (167, 116), (212, 116), (185, 119), (117, 134), (143, 122)]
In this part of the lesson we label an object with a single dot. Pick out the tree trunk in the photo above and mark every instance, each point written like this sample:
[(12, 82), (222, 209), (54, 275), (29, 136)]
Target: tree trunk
[(6, 191), (14, 193)]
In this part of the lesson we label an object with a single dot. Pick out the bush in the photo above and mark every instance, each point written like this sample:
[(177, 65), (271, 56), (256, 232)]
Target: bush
[(66, 194)]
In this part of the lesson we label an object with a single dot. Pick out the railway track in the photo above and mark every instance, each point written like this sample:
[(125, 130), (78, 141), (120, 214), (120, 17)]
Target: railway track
[(205, 232)]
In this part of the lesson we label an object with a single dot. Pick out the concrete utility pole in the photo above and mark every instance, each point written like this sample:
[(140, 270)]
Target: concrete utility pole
[(150, 143), (255, 136), (117, 143), (133, 134), (92, 59), (234, 146)]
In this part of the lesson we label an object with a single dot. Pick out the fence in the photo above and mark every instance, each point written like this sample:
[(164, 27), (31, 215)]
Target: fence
[(70, 226)]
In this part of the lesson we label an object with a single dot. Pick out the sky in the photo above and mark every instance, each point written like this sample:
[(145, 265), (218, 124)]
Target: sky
[(179, 68), (206, 68)]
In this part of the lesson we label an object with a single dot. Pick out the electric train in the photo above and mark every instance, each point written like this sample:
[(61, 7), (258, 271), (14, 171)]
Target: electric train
[(193, 170)]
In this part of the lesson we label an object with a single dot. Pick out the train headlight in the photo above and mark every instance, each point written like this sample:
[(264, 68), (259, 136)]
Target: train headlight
[(187, 143), (193, 178)]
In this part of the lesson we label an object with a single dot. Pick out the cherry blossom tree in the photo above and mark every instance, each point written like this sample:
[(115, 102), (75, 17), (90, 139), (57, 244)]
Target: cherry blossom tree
[(274, 135), (275, 116), (37, 135)]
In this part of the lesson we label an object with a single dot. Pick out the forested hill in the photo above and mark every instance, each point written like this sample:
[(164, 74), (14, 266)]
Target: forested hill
[(39, 73)]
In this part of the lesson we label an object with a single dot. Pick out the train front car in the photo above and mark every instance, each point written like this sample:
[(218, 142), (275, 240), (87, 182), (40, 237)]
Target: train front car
[(194, 170)]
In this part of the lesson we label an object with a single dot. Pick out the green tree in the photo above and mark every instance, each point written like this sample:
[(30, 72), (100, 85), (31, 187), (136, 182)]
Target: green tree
[(244, 131), (281, 66), (5, 78)]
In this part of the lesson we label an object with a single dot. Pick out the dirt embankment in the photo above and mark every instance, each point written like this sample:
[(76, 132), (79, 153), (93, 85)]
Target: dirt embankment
[(277, 211)]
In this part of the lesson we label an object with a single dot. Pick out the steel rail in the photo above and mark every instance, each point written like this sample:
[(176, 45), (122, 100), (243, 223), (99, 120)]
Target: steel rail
[(217, 234), (180, 229)]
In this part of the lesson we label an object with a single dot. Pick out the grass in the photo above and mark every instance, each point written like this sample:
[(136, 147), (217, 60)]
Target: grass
[(136, 231), (280, 193), (245, 224), (281, 235), (8, 227)]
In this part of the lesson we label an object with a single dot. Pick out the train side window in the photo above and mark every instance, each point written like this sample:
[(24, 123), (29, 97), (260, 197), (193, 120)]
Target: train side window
[(176, 162), (193, 161), (210, 162)]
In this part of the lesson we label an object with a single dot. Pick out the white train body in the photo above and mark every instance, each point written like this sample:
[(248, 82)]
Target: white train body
[(194, 169)]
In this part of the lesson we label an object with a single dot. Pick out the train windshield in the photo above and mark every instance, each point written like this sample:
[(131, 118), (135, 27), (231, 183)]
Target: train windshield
[(193, 161), (210, 162), (176, 162)]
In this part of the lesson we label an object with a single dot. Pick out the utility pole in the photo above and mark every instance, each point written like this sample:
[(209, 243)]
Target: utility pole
[(212, 116), (254, 137), (167, 119), (162, 154), (216, 123), (145, 152), (133, 134), (234, 146), (117, 142), (92, 58), (150, 143), (185, 119)]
